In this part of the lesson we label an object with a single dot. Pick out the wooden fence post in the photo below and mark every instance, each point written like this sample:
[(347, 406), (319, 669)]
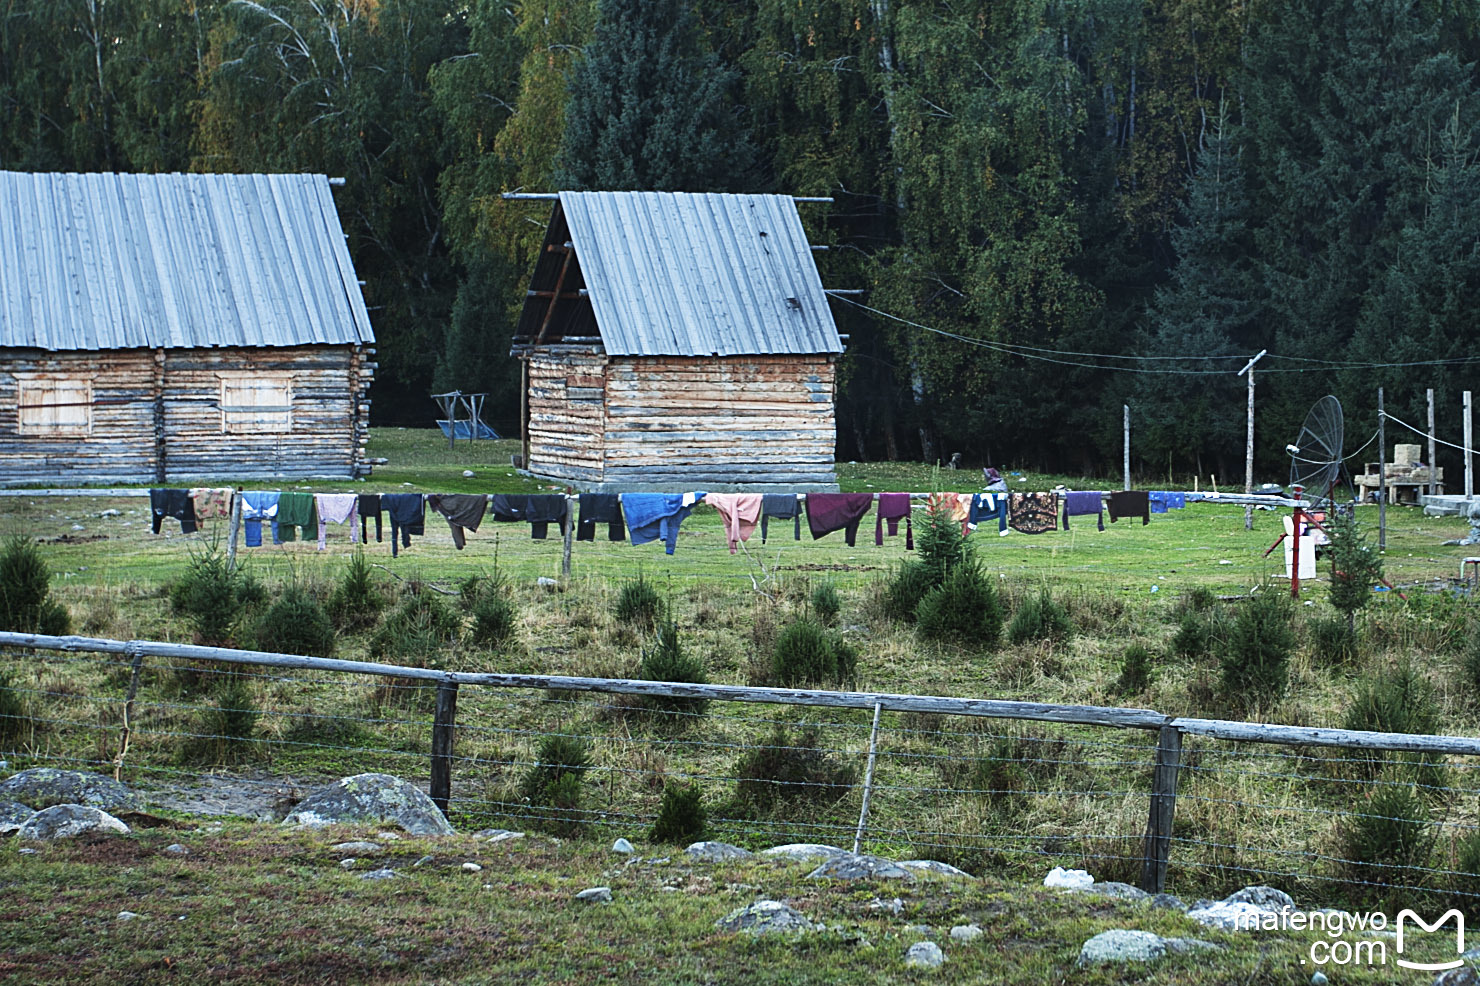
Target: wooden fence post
[(868, 779), (1163, 805), (136, 661), (569, 533), (442, 726)]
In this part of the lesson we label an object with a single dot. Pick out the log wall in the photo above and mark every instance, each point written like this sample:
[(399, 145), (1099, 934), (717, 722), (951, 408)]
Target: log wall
[(677, 421), (156, 416)]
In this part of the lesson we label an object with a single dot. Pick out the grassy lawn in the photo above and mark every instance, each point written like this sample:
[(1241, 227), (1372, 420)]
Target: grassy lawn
[(261, 905)]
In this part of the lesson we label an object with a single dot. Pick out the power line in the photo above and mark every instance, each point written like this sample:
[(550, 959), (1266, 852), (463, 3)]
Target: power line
[(1423, 433)]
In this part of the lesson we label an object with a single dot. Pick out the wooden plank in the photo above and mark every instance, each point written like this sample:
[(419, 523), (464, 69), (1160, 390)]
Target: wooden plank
[(1252, 732)]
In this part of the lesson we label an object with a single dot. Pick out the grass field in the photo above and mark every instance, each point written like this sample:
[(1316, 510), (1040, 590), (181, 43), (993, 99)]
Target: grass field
[(1075, 796)]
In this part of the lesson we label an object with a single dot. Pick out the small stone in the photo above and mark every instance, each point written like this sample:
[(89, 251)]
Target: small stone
[(623, 846), (362, 847), (177, 849), (966, 932), (1318, 979), (467, 474), (1267, 898), (716, 852), (766, 917), (924, 955), (545, 582), (1122, 945), (472, 868), (936, 867), (423, 861), (388, 836), (110, 513), (1169, 902), (126, 915), (921, 930), (348, 863), (27, 851), (386, 874), (595, 895), (505, 836), (78, 527), (895, 906)]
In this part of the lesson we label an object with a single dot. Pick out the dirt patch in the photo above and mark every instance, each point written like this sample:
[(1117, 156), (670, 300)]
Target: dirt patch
[(73, 539), (831, 568)]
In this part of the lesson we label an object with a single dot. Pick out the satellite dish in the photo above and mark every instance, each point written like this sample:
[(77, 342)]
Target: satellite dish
[(1315, 457)]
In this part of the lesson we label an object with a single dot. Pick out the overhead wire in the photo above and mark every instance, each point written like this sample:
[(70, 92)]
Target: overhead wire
[(1424, 434)]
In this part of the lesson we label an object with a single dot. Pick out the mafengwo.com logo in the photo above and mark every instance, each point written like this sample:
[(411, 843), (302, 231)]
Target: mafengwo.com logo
[(1337, 949)]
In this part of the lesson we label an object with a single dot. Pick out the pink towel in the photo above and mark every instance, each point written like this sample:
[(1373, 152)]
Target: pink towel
[(337, 508), (741, 512)]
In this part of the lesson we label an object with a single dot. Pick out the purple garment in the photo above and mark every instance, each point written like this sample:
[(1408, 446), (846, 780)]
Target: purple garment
[(894, 507), (828, 512), (1082, 504)]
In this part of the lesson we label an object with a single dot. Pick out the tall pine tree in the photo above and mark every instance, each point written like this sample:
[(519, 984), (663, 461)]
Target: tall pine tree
[(652, 108)]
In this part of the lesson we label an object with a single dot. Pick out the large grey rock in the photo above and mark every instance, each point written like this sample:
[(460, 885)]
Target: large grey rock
[(1234, 915), (804, 851), (1122, 945), (860, 867), (1267, 898), (42, 787), (595, 895), (68, 821), (1463, 976), (767, 917), (12, 815), (936, 867), (924, 955), (1169, 902), (717, 852), (1120, 891), (371, 798)]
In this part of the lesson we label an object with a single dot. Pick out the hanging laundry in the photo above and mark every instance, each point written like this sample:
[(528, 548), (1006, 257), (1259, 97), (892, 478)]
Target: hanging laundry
[(210, 502), (741, 512), (538, 511), (654, 516), (337, 508), (1081, 504), (1131, 504), (464, 511), (1158, 501), (1177, 501), (408, 515), (369, 506), (257, 506), (295, 510), (172, 503), (995, 482), (1033, 513), (986, 506), (601, 508), (828, 512), (894, 507), (956, 506), (782, 506)]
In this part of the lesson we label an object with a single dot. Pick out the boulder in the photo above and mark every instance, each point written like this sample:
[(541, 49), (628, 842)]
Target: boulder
[(860, 867), (766, 917), (1120, 891), (717, 852), (1228, 915), (371, 798), (924, 955), (12, 815), (1122, 945), (936, 867), (804, 851), (1267, 898), (67, 821), (42, 787), (1169, 902)]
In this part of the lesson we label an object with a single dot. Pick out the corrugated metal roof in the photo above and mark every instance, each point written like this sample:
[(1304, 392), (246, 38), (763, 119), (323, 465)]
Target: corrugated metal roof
[(115, 261), (699, 274)]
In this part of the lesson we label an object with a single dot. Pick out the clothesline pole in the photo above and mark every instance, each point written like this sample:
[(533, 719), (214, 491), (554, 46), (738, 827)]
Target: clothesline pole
[(236, 527), (1127, 445), (1433, 471), (1469, 448), (1249, 441), (569, 536), (1381, 474)]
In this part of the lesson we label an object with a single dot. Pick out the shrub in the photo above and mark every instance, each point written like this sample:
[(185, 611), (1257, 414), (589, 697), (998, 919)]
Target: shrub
[(963, 610), (1135, 669), (1389, 832), (1465, 881), (1040, 617), (1199, 599), (1256, 652), (15, 724), (1197, 633), (806, 654), (666, 661), (1000, 776), (296, 624), (941, 544), (556, 756), (25, 587), (1333, 640), (494, 618), (638, 604), (213, 596), (224, 730), (791, 772), (1470, 661), (421, 627), (562, 799), (904, 592), (826, 603), (1399, 701), (682, 817), (357, 601), (1355, 566)]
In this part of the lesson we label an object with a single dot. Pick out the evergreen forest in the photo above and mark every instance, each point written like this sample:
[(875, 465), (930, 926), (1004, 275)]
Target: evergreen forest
[(1054, 207)]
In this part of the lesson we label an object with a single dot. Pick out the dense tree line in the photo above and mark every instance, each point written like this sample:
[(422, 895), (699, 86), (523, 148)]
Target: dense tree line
[(1176, 183)]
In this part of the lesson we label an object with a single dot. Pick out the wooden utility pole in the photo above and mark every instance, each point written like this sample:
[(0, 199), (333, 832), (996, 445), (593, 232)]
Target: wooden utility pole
[(1433, 469), (1381, 474), (1469, 448), (1127, 445), (1249, 442)]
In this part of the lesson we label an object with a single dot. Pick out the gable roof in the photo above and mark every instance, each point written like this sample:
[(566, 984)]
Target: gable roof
[(120, 261), (684, 274)]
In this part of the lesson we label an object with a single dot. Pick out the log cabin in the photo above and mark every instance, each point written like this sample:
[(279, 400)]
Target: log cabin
[(675, 341), (162, 328)]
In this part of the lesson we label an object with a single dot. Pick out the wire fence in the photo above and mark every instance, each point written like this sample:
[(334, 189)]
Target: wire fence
[(1130, 795)]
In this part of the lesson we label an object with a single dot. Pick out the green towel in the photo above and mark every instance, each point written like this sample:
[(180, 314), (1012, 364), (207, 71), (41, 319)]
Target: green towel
[(297, 510)]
